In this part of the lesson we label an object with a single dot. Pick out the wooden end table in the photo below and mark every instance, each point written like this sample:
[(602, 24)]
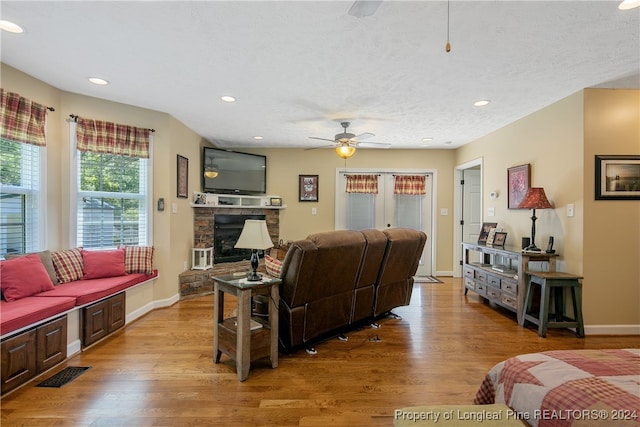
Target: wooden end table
[(245, 338)]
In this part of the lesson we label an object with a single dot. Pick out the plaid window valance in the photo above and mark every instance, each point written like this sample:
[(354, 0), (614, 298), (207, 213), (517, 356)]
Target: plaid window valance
[(22, 120), (98, 136), (362, 184), (410, 184)]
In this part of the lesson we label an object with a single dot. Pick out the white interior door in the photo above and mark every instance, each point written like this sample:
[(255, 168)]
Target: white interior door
[(471, 205), (387, 210)]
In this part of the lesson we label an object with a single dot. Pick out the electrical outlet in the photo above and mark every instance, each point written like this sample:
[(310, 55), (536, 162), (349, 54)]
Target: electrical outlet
[(185, 266), (314, 211)]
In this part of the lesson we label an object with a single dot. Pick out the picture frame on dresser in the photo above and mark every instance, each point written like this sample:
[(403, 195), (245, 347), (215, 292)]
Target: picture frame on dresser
[(518, 182), (484, 232), (500, 239)]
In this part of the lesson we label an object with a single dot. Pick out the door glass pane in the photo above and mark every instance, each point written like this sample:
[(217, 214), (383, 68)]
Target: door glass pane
[(360, 211), (408, 211)]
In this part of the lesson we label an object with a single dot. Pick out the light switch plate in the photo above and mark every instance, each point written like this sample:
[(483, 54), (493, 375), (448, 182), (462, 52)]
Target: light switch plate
[(444, 211), (570, 209), (491, 211)]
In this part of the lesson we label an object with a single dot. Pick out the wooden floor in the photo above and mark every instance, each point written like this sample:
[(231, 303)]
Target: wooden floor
[(158, 371)]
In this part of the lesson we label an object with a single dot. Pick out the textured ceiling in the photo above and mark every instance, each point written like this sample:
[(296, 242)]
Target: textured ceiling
[(298, 68)]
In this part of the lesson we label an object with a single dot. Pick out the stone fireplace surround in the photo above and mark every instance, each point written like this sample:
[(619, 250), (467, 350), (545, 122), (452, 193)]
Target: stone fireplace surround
[(198, 282)]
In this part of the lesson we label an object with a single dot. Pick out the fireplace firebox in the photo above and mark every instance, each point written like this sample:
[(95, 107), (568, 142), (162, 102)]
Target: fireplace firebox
[(227, 231)]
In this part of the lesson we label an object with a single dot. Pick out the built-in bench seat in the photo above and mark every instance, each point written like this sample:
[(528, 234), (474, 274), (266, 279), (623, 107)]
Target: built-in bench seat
[(40, 290)]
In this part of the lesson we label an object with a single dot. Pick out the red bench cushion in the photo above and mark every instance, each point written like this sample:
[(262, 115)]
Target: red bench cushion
[(27, 311), (86, 291)]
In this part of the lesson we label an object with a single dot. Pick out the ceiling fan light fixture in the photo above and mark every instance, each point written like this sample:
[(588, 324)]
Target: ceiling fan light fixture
[(345, 151), (211, 171), (629, 4)]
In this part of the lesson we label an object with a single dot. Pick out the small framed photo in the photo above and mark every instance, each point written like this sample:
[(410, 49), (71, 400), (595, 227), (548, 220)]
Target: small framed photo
[(518, 182), (183, 177), (485, 230), (308, 188), (500, 238), (275, 201), (617, 177)]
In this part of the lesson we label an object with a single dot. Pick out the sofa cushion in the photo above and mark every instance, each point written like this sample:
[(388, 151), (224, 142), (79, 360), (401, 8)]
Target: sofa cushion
[(273, 266), (23, 277), (68, 264), (97, 264), (45, 257), (27, 311), (138, 259), (86, 291)]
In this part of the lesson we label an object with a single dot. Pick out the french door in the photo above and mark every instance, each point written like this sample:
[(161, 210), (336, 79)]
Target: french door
[(359, 211)]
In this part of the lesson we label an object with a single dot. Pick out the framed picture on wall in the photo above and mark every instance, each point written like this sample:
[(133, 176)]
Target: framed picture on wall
[(518, 182), (308, 188), (617, 177), (183, 177)]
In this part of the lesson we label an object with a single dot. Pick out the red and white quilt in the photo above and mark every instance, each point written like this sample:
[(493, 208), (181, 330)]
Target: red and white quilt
[(563, 388)]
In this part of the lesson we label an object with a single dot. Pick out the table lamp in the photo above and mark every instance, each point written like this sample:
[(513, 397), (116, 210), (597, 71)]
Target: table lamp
[(534, 199), (254, 236)]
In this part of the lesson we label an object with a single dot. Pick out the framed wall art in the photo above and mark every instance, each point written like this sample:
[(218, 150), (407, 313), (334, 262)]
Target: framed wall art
[(617, 177), (518, 182), (183, 177), (308, 188)]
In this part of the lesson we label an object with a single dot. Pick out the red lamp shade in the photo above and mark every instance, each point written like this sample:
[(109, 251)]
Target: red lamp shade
[(535, 199)]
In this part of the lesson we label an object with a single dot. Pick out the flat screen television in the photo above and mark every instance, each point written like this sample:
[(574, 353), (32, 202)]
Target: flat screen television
[(232, 172)]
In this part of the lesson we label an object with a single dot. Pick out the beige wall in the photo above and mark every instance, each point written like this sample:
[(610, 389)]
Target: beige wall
[(602, 240), (611, 227), (297, 222), (558, 141)]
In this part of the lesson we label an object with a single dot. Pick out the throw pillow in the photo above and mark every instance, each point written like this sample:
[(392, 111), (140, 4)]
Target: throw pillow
[(68, 264), (45, 257), (273, 266), (138, 259), (23, 277), (102, 263)]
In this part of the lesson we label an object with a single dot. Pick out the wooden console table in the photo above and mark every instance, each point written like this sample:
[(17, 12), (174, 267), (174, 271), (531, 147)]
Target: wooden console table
[(498, 273), (245, 338)]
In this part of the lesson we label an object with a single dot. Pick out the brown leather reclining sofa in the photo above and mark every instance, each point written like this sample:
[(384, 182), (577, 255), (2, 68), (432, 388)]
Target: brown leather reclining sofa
[(335, 279)]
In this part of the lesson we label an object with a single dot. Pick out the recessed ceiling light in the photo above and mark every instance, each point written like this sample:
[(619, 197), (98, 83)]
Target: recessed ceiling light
[(427, 139), (11, 27), (228, 98), (258, 138), (629, 4), (481, 103), (98, 81)]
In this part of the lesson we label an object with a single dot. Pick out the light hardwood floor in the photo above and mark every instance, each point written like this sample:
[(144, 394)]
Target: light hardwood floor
[(158, 371)]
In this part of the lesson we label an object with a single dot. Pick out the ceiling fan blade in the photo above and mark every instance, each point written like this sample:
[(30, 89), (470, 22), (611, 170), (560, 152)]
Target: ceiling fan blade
[(322, 139), (362, 136), (373, 145), (364, 8), (322, 146)]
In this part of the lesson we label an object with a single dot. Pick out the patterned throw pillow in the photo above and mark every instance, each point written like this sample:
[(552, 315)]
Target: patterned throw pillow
[(138, 259), (68, 264), (273, 266)]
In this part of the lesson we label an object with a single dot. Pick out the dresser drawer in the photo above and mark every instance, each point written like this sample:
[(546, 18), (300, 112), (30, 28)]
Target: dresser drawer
[(469, 283), (469, 272), (508, 300), (509, 286), (481, 276), (493, 293), (481, 288), (493, 280)]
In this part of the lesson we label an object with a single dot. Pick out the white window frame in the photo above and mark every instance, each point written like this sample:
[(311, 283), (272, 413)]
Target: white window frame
[(74, 185), (36, 217)]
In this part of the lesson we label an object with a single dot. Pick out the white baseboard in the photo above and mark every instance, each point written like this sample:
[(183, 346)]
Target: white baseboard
[(73, 348), (444, 273), (612, 330), (152, 306)]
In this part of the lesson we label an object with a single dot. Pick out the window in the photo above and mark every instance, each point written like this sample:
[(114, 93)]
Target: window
[(112, 199), (21, 207)]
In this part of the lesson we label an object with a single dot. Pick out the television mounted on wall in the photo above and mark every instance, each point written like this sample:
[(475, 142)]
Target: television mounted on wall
[(233, 172)]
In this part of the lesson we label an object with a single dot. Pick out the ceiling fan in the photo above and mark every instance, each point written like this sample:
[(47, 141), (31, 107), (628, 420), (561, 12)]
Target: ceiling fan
[(345, 143)]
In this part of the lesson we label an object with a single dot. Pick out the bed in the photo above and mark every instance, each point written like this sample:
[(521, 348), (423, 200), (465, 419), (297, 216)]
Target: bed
[(563, 388)]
